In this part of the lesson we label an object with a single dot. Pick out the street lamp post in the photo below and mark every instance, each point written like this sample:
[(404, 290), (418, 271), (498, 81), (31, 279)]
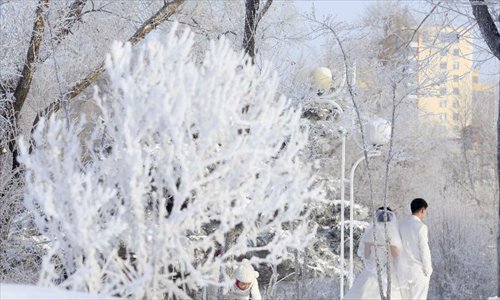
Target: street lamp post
[(378, 133), (323, 80), (371, 153)]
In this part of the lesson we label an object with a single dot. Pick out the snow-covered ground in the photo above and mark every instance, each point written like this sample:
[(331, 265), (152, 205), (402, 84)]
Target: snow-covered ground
[(313, 288), (18, 291)]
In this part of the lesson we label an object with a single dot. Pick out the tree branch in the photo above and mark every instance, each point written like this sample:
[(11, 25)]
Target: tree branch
[(74, 14), (167, 10), (263, 12), (419, 26), (489, 31), (164, 13)]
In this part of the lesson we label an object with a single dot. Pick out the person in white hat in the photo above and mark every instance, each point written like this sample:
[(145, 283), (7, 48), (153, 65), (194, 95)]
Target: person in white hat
[(246, 286)]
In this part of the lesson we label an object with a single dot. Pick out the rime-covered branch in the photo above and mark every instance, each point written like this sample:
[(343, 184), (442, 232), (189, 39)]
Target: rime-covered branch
[(149, 25), (171, 171)]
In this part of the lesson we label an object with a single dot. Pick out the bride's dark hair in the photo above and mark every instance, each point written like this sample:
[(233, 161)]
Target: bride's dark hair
[(382, 216)]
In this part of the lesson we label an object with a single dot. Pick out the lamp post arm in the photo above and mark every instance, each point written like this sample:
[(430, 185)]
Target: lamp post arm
[(330, 101)]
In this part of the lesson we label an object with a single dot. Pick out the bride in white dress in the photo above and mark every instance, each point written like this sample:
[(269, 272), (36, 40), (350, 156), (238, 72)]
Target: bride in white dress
[(366, 284)]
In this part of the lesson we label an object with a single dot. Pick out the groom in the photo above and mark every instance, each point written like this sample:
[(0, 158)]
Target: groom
[(415, 243)]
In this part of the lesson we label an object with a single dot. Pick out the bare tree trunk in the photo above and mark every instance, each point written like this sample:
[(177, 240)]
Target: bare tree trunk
[(490, 34), (24, 83), (251, 8), (23, 86), (298, 273), (271, 286), (489, 31), (252, 19)]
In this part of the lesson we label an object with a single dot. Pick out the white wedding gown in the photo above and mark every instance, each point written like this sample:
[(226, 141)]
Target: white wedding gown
[(366, 284)]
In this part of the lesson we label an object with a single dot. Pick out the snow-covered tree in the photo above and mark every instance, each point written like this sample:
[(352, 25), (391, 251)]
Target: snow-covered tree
[(50, 52), (185, 155)]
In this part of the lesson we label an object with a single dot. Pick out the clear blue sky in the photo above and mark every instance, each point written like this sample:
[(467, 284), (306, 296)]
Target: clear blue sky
[(344, 10)]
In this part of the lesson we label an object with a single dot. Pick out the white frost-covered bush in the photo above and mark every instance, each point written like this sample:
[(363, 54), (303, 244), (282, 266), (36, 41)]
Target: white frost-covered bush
[(187, 155)]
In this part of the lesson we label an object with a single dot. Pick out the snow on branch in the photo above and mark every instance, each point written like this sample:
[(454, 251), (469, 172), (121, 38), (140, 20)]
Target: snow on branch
[(187, 154)]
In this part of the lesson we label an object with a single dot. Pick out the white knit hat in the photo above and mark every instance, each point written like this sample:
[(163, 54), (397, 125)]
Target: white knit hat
[(245, 272)]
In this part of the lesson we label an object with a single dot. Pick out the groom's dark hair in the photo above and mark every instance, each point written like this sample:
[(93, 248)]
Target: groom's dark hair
[(417, 204)]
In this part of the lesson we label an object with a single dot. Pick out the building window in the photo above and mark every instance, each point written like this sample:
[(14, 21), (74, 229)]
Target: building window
[(443, 65), (456, 104), (456, 78), (443, 52), (442, 117), (456, 117), (442, 103), (442, 91), (448, 37), (443, 76), (456, 91), (456, 52), (456, 65)]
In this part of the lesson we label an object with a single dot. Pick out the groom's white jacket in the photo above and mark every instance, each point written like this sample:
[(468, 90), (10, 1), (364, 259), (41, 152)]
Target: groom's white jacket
[(414, 235)]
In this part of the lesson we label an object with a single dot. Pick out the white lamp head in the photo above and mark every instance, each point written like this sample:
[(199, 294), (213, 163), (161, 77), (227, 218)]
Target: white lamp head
[(378, 132), (322, 78)]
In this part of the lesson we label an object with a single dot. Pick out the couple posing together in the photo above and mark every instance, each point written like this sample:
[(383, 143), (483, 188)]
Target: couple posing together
[(409, 256)]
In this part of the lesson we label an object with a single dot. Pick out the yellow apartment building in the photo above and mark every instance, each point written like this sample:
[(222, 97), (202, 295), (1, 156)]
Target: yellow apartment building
[(444, 76), (448, 90)]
